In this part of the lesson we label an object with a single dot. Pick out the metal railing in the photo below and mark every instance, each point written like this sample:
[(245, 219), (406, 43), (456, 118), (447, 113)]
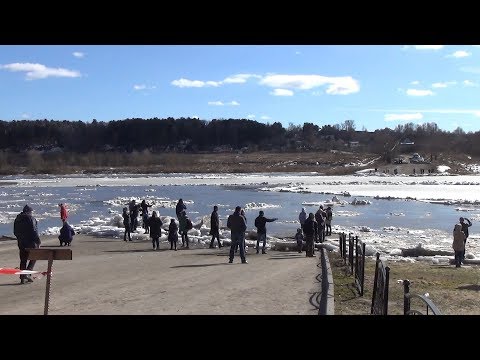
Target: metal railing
[(359, 265), (380, 288), (430, 309)]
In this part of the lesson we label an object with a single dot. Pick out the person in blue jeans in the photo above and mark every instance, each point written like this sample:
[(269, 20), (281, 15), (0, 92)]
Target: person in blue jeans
[(237, 225), (260, 222)]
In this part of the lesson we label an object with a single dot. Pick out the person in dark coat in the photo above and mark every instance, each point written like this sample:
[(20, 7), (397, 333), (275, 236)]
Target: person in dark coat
[(236, 223), (155, 224), (173, 234), (310, 229), (126, 224), (215, 227), (320, 216), (328, 221), (179, 208), (134, 211), (144, 206), (183, 226), (260, 222), (66, 234), (25, 228), (465, 226)]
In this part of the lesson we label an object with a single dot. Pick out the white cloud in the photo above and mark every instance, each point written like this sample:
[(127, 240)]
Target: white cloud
[(39, 71), (143, 87), (188, 83), (216, 103), (78, 54), (297, 52), (471, 69), (417, 92), (476, 45), (221, 103), (195, 117), (459, 54), (265, 117), (428, 47), (213, 83), (443, 84), (281, 92), (250, 116), (341, 85), (416, 82), (25, 116), (469, 83), (403, 117), (233, 79), (238, 78)]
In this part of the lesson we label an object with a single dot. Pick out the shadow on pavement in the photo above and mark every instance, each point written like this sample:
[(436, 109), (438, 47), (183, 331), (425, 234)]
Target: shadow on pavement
[(13, 284), (469, 287), (197, 265), (286, 257), (135, 250)]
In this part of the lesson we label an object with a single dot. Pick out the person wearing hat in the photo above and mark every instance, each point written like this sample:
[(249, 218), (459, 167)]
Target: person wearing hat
[(26, 232), (260, 222)]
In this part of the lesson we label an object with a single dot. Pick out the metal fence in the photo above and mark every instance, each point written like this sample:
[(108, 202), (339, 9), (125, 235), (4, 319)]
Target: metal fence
[(359, 265), (430, 308), (380, 288)]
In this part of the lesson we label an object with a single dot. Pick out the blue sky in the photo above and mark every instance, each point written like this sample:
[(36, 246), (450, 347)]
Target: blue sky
[(376, 86)]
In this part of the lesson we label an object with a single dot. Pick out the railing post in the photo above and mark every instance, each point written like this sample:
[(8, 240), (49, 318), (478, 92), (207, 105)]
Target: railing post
[(387, 281), (356, 257), (362, 280), (375, 279), (406, 299), (340, 244), (350, 254)]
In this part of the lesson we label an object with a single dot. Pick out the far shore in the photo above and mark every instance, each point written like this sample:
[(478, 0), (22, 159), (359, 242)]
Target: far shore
[(325, 163)]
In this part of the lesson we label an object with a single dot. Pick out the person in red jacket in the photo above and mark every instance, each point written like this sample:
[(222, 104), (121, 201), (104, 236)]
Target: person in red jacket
[(63, 212)]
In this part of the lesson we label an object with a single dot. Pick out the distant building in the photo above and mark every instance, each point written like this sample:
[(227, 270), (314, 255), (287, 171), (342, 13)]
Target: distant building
[(407, 142), (416, 158), (353, 144)]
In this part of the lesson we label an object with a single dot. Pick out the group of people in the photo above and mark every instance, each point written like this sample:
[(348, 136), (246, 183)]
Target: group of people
[(313, 228)]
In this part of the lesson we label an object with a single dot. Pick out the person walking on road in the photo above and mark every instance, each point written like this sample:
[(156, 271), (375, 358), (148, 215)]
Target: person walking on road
[(215, 227), (25, 228)]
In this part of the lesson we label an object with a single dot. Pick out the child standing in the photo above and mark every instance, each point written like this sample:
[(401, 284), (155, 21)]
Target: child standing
[(173, 234), (299, 238)]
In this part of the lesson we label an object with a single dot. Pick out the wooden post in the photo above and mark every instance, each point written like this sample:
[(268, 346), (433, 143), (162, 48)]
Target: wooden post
[(47, 289), (50, 255)]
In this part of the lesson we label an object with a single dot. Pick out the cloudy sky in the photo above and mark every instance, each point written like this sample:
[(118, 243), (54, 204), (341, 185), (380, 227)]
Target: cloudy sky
[(376, 86)]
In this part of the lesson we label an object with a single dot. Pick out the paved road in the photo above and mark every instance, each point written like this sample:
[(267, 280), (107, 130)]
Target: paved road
[(110, 276)]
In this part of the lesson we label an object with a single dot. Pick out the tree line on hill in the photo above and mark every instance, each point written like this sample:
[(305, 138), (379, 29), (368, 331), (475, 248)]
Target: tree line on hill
[(195, 135)]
